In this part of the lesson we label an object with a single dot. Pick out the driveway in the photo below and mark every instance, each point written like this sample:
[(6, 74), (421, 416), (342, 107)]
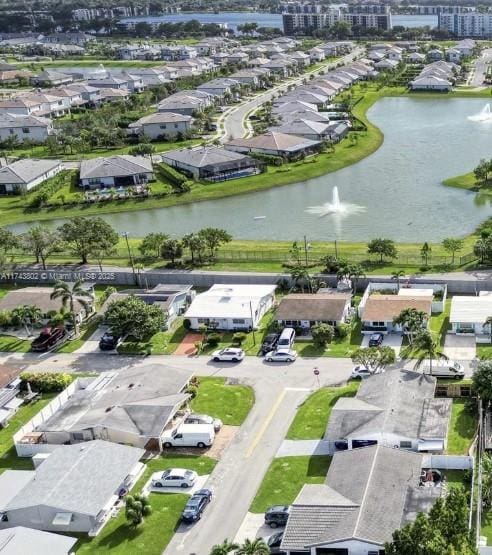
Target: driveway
[(479, 68), (92, 344), (393, 340), (460, 347), (254, 526)]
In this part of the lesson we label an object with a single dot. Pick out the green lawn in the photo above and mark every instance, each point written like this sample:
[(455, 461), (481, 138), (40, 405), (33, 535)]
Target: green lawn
[(312, 416), (285, 478), (439, 323), (484, 351), (162, 343), (8, 456), (461, 430), (85, 334), (339, 348), (230, 403), (157, 530), (12, 344)]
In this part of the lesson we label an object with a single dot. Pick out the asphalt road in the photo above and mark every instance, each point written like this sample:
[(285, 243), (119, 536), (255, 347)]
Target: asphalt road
[(234, 120), (480, 67)]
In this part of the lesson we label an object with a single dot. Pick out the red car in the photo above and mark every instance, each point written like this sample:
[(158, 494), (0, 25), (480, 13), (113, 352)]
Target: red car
[(47, 339)]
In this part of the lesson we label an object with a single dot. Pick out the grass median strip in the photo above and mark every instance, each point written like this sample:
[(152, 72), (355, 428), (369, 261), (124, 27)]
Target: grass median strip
[(312, 416), (286, 476)]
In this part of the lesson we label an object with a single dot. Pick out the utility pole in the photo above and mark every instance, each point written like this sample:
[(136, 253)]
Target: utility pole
[(125, 235), (252, 322)]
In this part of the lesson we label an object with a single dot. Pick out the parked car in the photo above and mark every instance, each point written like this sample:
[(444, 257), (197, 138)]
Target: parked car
[(195, 418), (444, 369), (277, 515), (269, 343), (189, 435), (273, 542), (109, 341), (174, 477), (287, 355), (361, 372), (230, 354), (376, 339), (196, 505), (47, 339)]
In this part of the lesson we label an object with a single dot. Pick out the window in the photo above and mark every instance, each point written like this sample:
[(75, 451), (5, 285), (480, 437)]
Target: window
[(176, 126), (26, 130), (406, 444), (378, 324), (203, 320), (163, 126), (78, 436), (11, 131), (238, 320)]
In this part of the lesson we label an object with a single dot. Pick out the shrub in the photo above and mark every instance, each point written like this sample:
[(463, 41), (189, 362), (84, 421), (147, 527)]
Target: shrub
[(213, 339), (172, 175), (342, 331), (186, 324), (46, 382), (238, 338), (192, 391)]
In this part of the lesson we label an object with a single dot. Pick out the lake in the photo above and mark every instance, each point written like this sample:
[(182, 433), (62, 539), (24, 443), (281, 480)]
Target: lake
[(398, 189), (264, 19)]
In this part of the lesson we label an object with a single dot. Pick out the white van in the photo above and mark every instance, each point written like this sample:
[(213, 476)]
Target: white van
[(286, 339), (190, 435), (444, 369)]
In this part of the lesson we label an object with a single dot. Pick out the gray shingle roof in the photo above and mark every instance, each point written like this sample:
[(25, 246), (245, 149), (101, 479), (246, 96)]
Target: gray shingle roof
[(280, 142), (396, 402), (18, 120), (114, 166), (368, 494), (20, 540), (25, 171), (317, 307), (202, 156), (79, 478)]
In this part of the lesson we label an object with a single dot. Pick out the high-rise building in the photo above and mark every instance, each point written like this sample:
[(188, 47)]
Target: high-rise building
[(300, 7), (293, 22), (472, 24), (436, 10)]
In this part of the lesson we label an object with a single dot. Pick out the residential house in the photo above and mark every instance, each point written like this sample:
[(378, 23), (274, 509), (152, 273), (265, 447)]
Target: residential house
[(178, 52), (367, 495), (51, 78), (251, 77), (19, 539), (211, 163), (393, 409), (21, 105), (77, 38), (22, 176), (112, 95), (115, 171), (319, 100), (279, 67), (34, 128), (258, 62), (275, 144), (466, 47), (172, 299), (237, 58), (317, 54), (314, 130), (162, 125), (231, 307), (416, 58), (301, 58), (134, 406), (293, 106), (111, 82), (74, 98), (380, 310), (435, 55), (40, 297), (219, 87), (453, 55), (89, 94), (10, 75), (386, 65), (431, 83), (186, 102), (74, 489), (50, 105), (469, 315), (150, 77), (323, 117), (307, 310)]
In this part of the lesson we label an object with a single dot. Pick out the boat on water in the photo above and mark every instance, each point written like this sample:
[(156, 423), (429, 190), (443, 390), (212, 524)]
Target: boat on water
[(259, 217)]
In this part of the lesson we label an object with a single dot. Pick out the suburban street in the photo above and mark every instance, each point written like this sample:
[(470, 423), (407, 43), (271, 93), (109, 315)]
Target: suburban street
[(233, 121), (480, 67)]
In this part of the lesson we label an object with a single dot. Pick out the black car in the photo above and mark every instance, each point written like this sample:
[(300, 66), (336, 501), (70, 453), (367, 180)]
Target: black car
[(269, 343), (376, 339), (196, 505), (274, 542), (277, 516), (109, 341)]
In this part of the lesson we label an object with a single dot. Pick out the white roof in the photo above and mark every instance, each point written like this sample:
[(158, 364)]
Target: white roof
[(471, 310), (18, 540), (228, 301), (415, 292)]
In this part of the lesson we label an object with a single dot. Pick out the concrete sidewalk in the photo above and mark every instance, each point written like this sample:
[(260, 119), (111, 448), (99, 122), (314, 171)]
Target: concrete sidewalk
[(298, 448)]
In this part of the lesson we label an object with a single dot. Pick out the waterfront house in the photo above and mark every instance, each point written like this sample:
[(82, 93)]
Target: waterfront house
[(211, 163), (231, 307), (314, 130), (367, 495), (307, 310), (33, 128), (115, 171), (293, 106), (469, 314), (135, 406), (23, 175), (162, 125), (74, 489), (431, 83), (393, 409), (275, 144)]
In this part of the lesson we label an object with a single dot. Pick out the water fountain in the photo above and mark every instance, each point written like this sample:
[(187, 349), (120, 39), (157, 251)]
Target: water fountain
[(335, 207), (485, 114)]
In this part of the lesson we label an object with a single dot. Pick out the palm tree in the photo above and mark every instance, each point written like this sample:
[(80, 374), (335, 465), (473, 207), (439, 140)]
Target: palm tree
[(27, 315), (254, 547), (397, 276), (428, 348), (224, 548), (356, 272), (69, 294), (412, 321)]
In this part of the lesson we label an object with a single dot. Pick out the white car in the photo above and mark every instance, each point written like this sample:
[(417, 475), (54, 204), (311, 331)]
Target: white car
[(231, 354), (361, 372), (174, 477), (194, 418), (282, 355)]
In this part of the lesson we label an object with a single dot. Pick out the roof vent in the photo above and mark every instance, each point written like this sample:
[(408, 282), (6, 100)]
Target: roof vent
[(108, 409), (130, 385)]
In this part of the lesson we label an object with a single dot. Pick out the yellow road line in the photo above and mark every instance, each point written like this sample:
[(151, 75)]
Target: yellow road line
[(268, 419)]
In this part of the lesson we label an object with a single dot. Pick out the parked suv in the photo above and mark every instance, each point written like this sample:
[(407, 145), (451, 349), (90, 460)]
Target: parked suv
[(269, 343), (47, 339), (277, 516), (109, 341), (376, 339)]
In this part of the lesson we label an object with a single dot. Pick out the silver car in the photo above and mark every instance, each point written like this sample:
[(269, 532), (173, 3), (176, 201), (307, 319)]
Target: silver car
[(195, 418), (282, 355)]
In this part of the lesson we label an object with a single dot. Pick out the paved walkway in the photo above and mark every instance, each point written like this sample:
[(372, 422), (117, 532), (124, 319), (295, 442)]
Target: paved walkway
[(254, 526), (187, 346), (460, 347), (300, 447)]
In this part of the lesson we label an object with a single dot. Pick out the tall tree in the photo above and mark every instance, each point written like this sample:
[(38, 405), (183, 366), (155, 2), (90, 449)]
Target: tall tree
[(425, 252), (412, 321), (452, 246), (151, 244), (134, 317), (172, 249), (42, 242), (397, 275), (195, 244), (85, 236), (214, 238), (27, 315), (482, 380), (385, 248), (253, 547), (136, 508), (428, 349), (374, 358), (71, 293), (225, 548)]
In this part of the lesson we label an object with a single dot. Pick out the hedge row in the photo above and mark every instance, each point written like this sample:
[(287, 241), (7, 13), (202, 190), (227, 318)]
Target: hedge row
[(46, 382), (172, 175)]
